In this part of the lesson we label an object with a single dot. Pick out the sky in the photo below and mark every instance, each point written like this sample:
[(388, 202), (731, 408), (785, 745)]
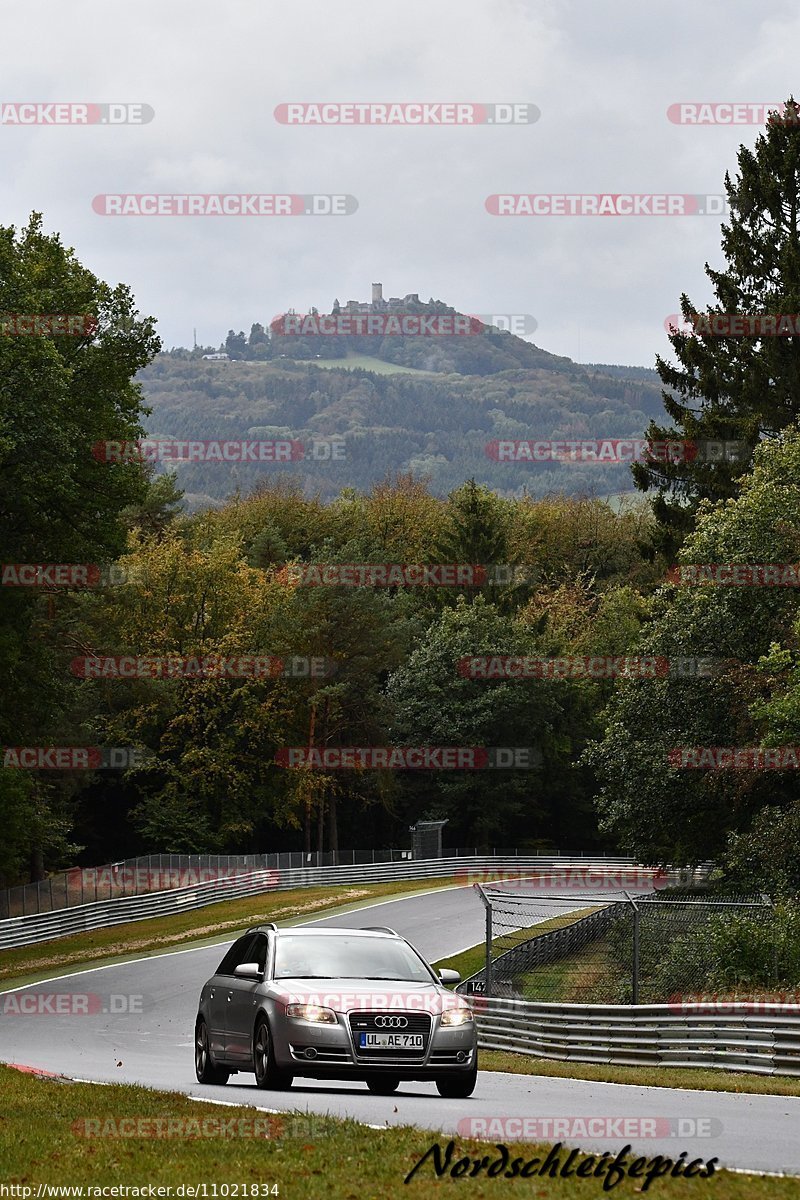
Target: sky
[(602, 73)]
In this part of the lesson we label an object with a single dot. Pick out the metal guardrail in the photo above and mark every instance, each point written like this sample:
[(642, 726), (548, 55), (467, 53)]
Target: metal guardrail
[(42, 927), (737, 1038), (157, 872)]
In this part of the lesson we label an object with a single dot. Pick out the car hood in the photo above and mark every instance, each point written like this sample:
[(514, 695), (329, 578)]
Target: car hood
[(346, 995)]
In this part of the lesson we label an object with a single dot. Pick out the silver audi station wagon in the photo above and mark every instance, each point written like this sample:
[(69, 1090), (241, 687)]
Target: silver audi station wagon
[(358, 1004)]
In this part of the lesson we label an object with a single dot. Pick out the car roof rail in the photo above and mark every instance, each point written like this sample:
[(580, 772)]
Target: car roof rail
[(379, 929)]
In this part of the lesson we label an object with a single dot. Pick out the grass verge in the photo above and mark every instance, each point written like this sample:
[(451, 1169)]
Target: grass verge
[(366, 362), (589, 976), (45, 1123), (692, 1078), (470, 961), (216, 922)]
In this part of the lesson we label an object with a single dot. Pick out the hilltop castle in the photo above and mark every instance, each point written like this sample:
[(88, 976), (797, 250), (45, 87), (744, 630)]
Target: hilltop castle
[(378, 304)]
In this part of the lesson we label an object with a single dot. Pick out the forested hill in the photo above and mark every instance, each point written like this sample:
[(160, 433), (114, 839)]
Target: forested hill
[(395, 417), (417, 335)]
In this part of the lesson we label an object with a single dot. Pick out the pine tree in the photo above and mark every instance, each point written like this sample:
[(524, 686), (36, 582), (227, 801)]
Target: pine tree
[(735, 389), (475, 531)]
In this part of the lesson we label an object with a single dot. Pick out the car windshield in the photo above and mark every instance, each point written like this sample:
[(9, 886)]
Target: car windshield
[(325, 957)]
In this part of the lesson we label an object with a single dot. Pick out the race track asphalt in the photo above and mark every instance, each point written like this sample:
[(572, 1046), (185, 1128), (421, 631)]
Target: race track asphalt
[(139, 1029)]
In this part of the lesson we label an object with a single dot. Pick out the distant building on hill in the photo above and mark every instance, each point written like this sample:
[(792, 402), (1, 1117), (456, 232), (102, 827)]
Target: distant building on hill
[(378, 304)]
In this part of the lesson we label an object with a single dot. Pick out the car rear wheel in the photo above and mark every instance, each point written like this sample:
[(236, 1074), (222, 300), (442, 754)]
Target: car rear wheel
[(268, 1075), (383, 1085), (457, 1087), (204, 1067)]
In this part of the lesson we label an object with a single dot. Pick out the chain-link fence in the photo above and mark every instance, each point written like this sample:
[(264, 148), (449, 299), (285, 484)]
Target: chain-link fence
[(159, 872), (617, 946)]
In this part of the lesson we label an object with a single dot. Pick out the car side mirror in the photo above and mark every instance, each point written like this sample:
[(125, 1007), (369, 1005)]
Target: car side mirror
[(247, 971), (449, 978)]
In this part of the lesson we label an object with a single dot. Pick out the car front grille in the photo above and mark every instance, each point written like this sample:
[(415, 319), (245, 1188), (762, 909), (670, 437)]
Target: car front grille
[(419, 1023)]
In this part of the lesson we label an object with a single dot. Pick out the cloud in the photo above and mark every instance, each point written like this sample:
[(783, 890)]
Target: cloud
[(602, 74)]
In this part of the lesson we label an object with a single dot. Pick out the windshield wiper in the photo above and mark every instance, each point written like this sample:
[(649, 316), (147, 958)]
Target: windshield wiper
[(386, 978), (308, 977), (370, 978)]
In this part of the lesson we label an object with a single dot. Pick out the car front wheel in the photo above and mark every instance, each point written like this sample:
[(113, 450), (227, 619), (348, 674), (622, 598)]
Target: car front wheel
[(204, 1067), (457, 1087), (383, 1085), (268, 1075)]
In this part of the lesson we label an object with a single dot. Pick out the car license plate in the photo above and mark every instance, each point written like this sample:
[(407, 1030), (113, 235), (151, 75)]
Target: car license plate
[(391, 1041)]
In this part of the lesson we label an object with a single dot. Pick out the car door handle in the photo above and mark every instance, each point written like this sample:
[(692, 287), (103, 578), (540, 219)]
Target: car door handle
[(230, 997)]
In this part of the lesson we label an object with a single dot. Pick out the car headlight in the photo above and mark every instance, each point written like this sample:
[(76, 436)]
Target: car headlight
[(312, 1012), (457, 1016)]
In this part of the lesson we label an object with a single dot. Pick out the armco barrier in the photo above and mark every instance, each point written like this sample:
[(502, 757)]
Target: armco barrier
[(762, 1042), (157, 872), (42, 927)]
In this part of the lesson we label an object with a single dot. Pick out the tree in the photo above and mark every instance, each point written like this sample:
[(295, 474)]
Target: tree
[(434, 704), (764, 857), (475, 532), (743, 388), (236, 344), (210, 784), (259, 346), (658, 810), (158, 507), (59, 396)]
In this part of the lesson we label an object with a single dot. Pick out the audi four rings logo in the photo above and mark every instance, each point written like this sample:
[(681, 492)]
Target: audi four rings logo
[(391, 1022)]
